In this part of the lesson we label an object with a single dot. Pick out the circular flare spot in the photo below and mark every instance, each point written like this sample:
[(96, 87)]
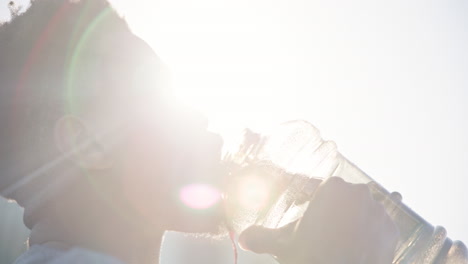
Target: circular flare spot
[(199, 196)]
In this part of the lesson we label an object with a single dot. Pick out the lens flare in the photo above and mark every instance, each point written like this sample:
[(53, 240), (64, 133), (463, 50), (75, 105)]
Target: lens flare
[(199, 196)]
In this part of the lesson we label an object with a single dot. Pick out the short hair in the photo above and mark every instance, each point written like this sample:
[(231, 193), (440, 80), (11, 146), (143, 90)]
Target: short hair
[(56, 58)]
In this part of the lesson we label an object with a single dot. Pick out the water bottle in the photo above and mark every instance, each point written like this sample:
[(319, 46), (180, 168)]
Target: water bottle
[(272, 178)]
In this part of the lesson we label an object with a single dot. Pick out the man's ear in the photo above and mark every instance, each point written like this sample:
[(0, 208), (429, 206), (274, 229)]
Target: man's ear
[(74, 140)]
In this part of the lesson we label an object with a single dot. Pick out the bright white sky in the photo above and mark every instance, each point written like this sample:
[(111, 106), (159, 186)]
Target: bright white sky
[(386, 80)]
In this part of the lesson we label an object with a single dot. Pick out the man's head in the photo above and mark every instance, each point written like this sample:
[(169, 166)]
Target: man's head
[(83, 119)]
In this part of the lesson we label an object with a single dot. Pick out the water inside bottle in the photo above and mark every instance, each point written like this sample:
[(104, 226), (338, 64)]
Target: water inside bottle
[(266, 195)]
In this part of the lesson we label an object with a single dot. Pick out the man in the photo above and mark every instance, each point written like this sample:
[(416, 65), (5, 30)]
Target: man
[(97, 155)]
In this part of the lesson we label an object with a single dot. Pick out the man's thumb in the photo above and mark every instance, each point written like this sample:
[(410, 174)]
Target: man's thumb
[(261, 240)]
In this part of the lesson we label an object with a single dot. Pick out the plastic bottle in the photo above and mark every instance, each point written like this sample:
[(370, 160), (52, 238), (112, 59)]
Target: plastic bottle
[(272, 178)]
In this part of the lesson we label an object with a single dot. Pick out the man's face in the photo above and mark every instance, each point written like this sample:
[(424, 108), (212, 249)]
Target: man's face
[(167, 164), (171, 173)]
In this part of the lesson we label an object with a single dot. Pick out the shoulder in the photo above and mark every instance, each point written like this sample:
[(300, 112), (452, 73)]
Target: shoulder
[(39, 254)]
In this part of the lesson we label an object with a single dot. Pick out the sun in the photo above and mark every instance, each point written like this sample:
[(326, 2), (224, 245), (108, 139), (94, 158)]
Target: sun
[(226, 68)]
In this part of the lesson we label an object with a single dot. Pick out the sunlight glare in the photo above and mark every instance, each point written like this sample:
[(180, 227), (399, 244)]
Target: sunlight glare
[(238, 73), (253, 193)]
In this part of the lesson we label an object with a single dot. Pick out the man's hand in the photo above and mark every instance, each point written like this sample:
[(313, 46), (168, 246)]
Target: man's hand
[(343, 225)]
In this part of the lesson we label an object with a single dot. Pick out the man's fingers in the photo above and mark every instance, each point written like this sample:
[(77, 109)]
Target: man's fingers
[(261, 240)]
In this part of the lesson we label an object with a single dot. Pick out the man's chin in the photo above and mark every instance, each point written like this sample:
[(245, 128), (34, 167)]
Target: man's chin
[(218, 233), (206, 223)]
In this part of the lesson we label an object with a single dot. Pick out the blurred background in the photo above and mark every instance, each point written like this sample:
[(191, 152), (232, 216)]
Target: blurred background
[(386, 80)]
